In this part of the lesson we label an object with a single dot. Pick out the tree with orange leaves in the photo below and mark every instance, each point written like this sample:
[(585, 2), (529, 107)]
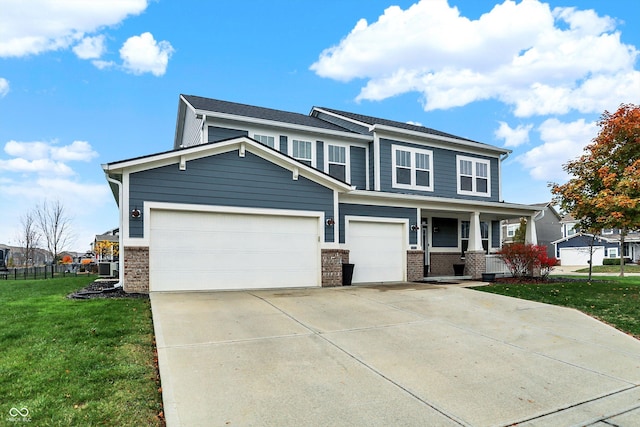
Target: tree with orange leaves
[(605, 189)]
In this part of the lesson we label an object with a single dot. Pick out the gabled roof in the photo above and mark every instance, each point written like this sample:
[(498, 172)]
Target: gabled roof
[(369, 120), (244, 110), (241, 143)]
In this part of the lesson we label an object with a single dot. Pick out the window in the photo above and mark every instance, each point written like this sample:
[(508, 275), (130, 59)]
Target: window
[(301, 150), (473, 176), (607, 231), (511, 229), (337, 161), (266, 140), (464, 235), (412, 168), (613, 253)]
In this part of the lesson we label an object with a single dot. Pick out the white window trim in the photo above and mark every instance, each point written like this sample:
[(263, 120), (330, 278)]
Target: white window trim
[(474, 161), (413, 185), (313, 148), (276, 139), (347, 159)]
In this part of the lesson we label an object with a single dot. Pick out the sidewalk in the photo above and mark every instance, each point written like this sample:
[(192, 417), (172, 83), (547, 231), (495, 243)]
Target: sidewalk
[(571, 269)]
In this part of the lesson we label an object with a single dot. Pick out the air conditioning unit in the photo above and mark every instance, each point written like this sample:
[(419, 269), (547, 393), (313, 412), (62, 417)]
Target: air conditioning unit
[(107, 269)]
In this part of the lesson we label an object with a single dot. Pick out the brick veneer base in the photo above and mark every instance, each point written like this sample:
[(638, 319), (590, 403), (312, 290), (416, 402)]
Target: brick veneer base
[(332, 260), (136, 269), (442, 263), (415, 265), (476, 264)]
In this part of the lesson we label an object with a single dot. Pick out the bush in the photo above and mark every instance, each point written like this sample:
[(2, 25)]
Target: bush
[(615, 261), (523, 259)]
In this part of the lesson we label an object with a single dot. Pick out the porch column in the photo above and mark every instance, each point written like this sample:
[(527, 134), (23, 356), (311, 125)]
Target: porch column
[(475, 236), (531, 235)]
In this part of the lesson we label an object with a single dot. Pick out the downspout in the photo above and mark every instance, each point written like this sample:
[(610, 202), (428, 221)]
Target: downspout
[(120, 224)]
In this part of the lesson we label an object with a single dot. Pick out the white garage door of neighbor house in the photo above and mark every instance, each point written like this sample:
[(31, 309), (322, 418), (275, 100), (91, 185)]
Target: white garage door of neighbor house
[(378, 251), (208, 251), (580, 256)]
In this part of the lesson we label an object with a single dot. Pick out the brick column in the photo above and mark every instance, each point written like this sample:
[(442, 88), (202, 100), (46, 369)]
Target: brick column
[(475, 264), (415, 265), (332, 260), (136, 269)]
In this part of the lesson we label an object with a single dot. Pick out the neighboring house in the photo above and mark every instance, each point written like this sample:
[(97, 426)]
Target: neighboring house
[(573, 247), (548, 227), (251, 197), (105, 246), (18, 257)]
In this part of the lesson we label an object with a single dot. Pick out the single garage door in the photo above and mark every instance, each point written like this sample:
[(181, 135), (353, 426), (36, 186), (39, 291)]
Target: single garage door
[(207, 251), (378, 251), (580, 256)]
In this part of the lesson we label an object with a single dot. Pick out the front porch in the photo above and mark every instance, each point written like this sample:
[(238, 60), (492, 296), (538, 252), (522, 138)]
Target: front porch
[(463, 245)]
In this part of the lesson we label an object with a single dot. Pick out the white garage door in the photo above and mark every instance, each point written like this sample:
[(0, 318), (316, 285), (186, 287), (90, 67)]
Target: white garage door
[(204, 251), (378, 251), (580, 256)]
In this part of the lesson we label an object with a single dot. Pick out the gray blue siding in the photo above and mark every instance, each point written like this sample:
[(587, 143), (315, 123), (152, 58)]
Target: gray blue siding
[(228, 180), (320, 155), (495, 234), (215, 133), (444, 233), (444, 173), (358, 167), (378, 211)]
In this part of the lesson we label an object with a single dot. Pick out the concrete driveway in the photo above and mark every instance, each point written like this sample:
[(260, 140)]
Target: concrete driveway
[(408, 354)]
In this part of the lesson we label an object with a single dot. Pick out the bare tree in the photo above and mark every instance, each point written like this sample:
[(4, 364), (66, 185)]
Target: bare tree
[(28, 237), (55, 226)]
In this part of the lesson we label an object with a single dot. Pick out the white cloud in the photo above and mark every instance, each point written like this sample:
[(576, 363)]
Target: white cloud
[(38, 150), (101, 65), (39, 166), (562, 142), (143, 54), (76, 151), (90, 47), (513, 137), (45, 25), (4, 87), (540, 61)]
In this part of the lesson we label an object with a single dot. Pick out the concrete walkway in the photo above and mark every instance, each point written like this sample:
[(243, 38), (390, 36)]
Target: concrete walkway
[(407, 354)]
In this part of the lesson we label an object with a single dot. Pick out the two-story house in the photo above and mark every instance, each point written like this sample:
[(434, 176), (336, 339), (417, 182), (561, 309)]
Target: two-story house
[(252, 197)]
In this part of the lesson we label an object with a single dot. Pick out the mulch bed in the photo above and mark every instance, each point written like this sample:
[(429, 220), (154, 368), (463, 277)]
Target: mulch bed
[(104, 288)]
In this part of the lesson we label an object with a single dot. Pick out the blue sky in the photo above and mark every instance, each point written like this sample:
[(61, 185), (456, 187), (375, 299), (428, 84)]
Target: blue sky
[(85, 83)]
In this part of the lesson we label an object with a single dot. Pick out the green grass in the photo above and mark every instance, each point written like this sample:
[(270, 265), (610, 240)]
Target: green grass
[(75, 362), (615, 269), (614, 300)]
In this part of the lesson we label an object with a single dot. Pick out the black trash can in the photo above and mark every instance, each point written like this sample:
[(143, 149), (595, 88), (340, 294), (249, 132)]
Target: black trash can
[(347, 274), (458, 269)]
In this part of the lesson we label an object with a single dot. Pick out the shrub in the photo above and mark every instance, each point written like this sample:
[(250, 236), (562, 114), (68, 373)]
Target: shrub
[(615, 261), (522, 259)]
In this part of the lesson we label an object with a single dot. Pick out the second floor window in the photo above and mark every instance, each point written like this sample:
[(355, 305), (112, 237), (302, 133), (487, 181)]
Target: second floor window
[(266, 140), (473, 176), (412, 168), (337, 161), (301, 150)]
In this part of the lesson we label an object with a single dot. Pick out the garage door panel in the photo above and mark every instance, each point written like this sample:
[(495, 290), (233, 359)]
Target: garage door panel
[(378, 251), (580, 256), (200, 251)]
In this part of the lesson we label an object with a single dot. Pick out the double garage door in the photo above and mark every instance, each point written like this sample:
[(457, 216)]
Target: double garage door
[(191, 251), (206, 250)]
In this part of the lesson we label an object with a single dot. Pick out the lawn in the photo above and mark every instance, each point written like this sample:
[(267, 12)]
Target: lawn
[(75, 362), (615, 269), (614, 300)]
